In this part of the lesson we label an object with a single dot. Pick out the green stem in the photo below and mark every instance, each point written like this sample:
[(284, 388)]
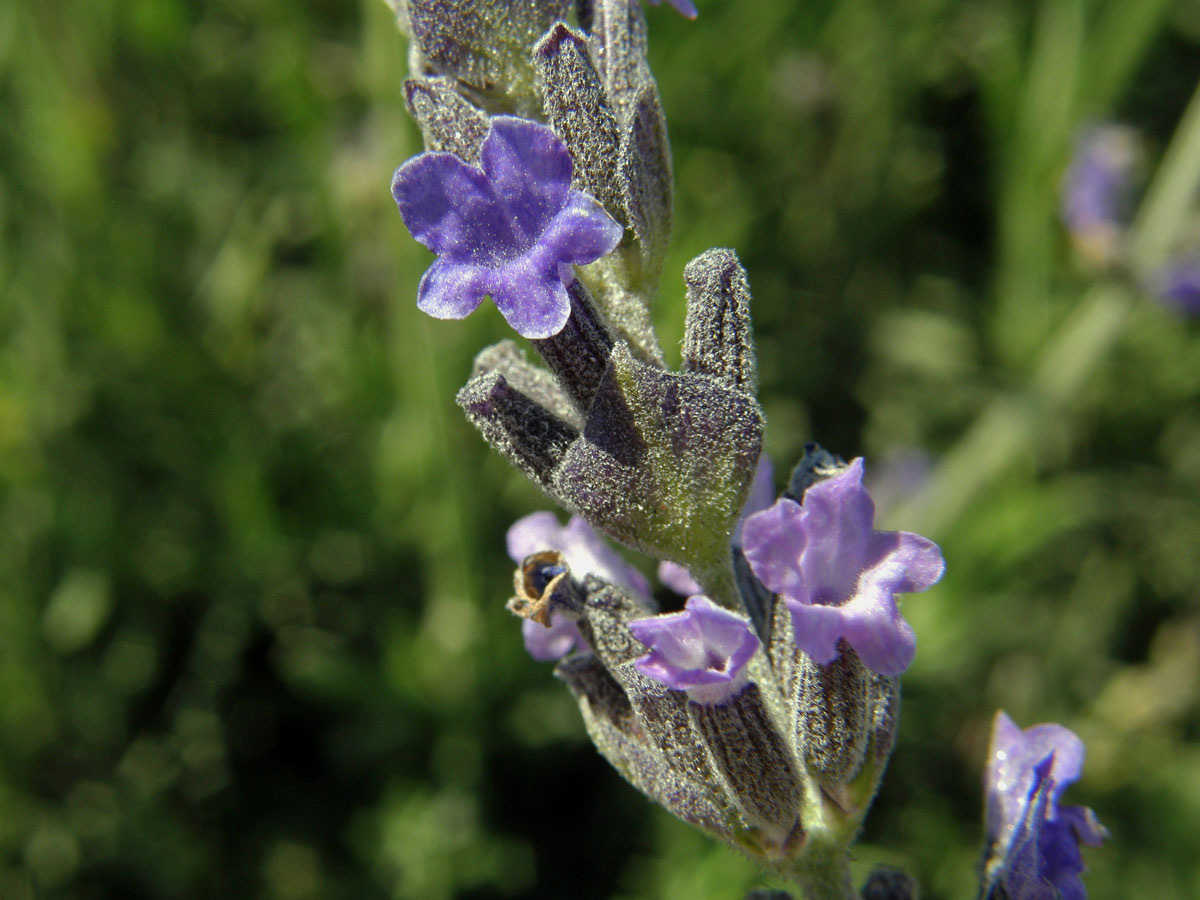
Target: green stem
[(825, 873)]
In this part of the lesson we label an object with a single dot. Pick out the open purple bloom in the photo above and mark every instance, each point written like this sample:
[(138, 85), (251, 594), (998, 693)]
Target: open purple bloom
[(510, 229), (1033, 843), (683, 7), (838, 575), (702, 650)]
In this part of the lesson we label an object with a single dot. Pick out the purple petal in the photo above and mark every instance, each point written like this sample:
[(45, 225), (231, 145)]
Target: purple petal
[(677, 578), (881, 636), (580, 232), (451, 208), (1014, 755), (1097, 184), (773, 541), (838, 520), (529, 168), (816, 629), (449, 290), (533, 533), (531, 299), (548, 644), (761, 496), (906, 562), (1035, 843), (703, 645)]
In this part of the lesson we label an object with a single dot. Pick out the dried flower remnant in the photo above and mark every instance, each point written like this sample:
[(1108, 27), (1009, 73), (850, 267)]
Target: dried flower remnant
[(1033, 842), (702, 650), (586, 553), (839, 576), (510, 229)]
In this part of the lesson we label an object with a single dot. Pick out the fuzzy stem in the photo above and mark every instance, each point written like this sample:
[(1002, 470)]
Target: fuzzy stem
[(825, 873)]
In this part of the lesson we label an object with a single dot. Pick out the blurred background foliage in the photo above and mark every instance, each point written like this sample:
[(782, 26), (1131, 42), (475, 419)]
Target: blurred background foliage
[(252, 635)]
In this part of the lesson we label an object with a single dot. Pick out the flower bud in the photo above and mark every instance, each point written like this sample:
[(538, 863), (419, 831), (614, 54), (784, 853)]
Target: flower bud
[(526, 433)]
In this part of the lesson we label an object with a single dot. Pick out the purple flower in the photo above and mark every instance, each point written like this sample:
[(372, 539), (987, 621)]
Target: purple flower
[(702, 650), (1097, 190), (762, 492), (683, 7), (510, 229), (1033, 843), (837, 575), (1179, 287)]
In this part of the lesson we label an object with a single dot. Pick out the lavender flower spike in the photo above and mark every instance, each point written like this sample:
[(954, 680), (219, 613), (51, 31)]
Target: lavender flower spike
[(838, 575), (587, 554), (510, 229), (1033, 843), (702, 650)]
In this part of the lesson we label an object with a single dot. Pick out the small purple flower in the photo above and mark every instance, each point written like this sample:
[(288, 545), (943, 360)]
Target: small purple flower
[(1179, 287), (838, 575), (683, 7), (510, 229), (702, 650), (1097, 190), (1033, 843)]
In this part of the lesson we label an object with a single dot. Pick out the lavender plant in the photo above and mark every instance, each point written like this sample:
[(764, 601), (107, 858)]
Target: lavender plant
[(764, 711)]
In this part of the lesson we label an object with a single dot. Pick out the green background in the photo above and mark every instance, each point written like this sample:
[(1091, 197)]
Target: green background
[(252, 571)]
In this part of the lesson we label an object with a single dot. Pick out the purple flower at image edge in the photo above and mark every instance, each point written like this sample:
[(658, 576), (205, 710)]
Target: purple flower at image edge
[(510, 229), (683, 7), (839, 576), (702, 650), (1178, 287), (586, 553), (1033, 842)]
